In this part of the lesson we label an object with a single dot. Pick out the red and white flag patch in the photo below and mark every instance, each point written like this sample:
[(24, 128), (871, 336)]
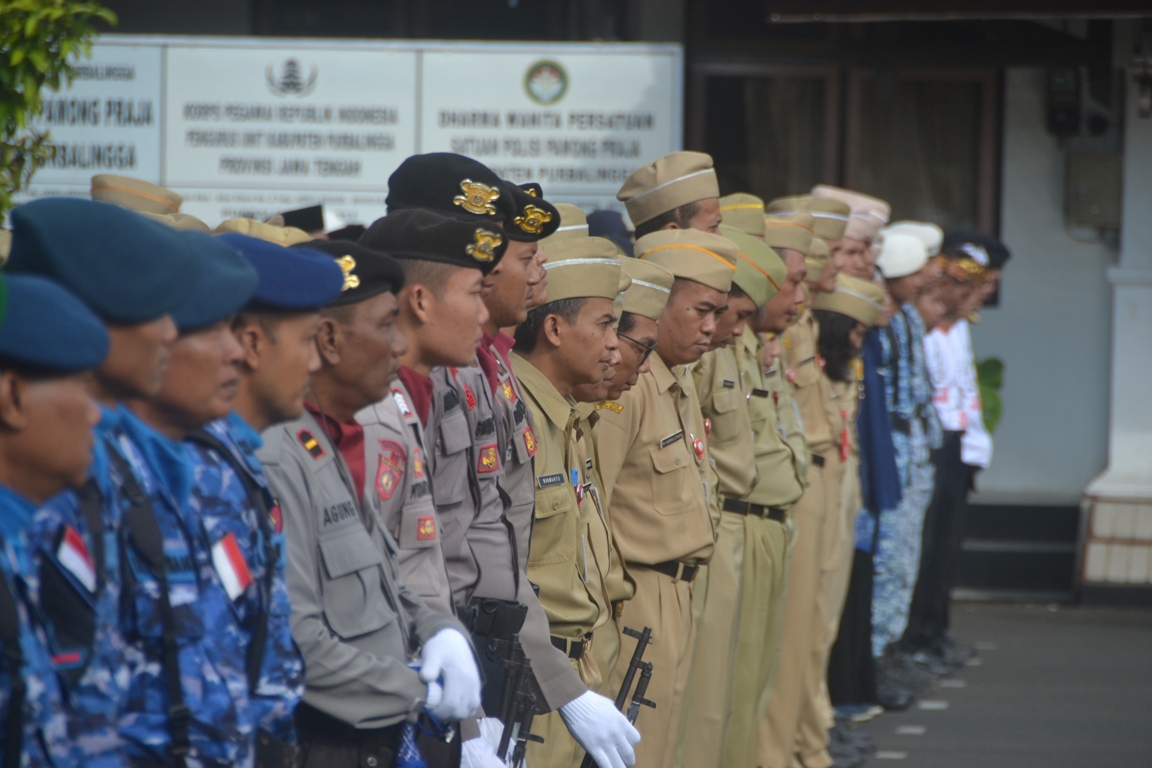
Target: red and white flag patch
[(231, 566), (73, 555)]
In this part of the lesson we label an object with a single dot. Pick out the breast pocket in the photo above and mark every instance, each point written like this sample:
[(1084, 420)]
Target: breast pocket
[(556, 532), (726, 423), (673, 469), (354, 602), (451, 482)]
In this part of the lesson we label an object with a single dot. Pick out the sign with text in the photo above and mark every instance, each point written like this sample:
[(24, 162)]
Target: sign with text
[(252, 127)]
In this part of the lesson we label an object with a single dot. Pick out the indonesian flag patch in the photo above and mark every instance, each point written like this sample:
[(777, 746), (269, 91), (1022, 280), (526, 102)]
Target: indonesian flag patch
[(230, 564), (73, 555)]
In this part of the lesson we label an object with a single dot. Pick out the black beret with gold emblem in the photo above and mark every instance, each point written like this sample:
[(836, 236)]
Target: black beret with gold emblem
[(426, 235), (451, 184), (528, 217), (367, 272)]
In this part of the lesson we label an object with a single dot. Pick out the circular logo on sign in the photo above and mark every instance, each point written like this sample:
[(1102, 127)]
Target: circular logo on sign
[(546, 82)]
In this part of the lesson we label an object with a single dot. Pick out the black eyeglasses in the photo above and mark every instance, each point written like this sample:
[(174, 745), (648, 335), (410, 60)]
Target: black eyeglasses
[(646, 348)]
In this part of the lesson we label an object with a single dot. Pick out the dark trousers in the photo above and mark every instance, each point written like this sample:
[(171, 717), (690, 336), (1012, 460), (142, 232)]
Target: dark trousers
[(326, 742), (944, 522), (851, 676)]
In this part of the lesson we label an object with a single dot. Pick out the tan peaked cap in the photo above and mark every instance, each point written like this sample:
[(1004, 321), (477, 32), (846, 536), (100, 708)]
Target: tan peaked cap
[(674, 180), (743, 212), (693, 255), (573, 223), (134, 194), (858, 299), (869, 214), (829, 216), (818, 253), (760, 271), (180, 221), (929, 234), (584, 267), (793, 231), (280, 235), (651, 286)]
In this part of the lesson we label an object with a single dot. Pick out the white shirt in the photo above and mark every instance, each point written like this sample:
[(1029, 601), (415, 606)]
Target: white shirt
[(952, 368)]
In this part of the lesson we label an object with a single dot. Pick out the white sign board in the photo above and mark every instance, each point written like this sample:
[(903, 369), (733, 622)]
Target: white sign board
[(252, 127)]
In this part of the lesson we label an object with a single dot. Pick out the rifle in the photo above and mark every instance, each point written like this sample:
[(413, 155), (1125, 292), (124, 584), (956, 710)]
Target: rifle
[(636, 664), (518, 704)]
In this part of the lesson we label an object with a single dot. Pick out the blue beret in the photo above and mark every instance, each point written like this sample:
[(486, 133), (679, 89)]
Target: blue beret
[(126, 268), (291, 279), (48, 327), (227, 282)]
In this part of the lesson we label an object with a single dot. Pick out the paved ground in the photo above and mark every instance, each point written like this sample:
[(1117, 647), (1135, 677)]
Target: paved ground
[(1055, 687)]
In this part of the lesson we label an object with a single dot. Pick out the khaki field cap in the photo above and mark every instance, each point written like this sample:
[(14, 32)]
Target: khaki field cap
[(869, 214), (743, 212), (284, 236), (651, 286), (858, 299), (586, 267), (134, 194), (817, 254), (573, 223), (902, 255), (792, 231), (181, 221), (674, 180), (693, 255), (929, 234), (760, 271), (829, 216)]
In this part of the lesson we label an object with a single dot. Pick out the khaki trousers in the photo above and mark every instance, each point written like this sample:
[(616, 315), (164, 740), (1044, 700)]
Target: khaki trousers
[(758, 636), (782, 706), (665, 605), (606, 653), (716, 604), (559, 749)]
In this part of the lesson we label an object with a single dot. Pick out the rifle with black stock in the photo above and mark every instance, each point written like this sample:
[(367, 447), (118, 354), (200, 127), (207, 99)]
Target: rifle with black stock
[(637, 664), (518, 704)]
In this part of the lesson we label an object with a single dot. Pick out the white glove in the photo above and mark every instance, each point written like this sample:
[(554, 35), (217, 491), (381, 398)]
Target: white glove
[(478, 753), (446, 662), (601, 729)]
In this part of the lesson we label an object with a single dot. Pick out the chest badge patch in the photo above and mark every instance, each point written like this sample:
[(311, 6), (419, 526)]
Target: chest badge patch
[(417, 462), (698, 446), (230, 564), (425, 529), (577, 485), (469, 398), (488, 460), (401, 403), (529, 441), (707, 427), (790, 374), (388, 478), (509, 391), (73, 555), (311, 444)]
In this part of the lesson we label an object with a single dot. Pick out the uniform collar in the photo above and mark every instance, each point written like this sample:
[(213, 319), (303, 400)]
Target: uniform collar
[(166, 458), (557, 408), (419, 391), (15, 512), (663, 375), (246, 437)]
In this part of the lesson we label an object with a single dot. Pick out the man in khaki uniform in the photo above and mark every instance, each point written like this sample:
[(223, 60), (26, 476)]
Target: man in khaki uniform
[(654, 460), (678, 191), (719, 586), (567, 342), (780, 475)]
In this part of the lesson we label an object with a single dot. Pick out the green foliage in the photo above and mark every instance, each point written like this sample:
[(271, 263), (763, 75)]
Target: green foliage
[(39, 42), (990, 378)]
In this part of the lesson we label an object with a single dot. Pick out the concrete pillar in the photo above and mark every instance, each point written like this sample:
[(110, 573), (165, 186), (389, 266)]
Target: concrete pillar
[(1117, 534)]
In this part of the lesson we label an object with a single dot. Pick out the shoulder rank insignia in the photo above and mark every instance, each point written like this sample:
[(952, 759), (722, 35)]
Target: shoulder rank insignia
[(787, 342), (425, 528), (401, 402), (477, 198), (468, 396), (610, 405), (529, 441), (484, 245), (533, 220), (315, 450), (489, 460), (859, 368)]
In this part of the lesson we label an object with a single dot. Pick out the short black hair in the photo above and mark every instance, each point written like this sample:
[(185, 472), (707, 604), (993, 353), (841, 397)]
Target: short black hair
[(679, 216), (529, 330), (835, 345), (627, 322), (433, 275), (736, 292)]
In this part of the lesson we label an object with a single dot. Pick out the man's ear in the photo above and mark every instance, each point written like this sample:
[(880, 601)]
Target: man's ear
[(420, 302), (253, 341), (551, 329), (328, 341), (12, 414)]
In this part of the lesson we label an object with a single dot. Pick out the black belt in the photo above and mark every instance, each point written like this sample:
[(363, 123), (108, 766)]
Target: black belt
[(676, 570), (492, 617), (574, 648), (759, 510), (817, 460), (312, 725)]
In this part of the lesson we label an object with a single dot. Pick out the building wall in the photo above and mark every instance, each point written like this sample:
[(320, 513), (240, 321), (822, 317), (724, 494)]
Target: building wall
[(1053, 328)]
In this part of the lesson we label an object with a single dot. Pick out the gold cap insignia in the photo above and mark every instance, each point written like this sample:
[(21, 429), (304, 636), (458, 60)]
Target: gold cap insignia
[(531, 191), (477, 198), (347, 264), (533, 220), (484, 249)]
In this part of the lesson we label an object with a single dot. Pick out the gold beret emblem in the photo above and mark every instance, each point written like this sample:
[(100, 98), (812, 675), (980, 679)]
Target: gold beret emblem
[(532, 220), (347, 264), (477, 197), (484, 248)]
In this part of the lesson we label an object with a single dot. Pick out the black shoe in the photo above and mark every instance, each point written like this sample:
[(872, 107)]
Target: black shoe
[(892, 697), (953, 653), (932, 663), (898, 667), (858, 740), (845, 756)]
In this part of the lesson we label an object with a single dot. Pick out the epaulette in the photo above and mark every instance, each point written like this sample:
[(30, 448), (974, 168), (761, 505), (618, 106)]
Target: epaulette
[(610, 405)]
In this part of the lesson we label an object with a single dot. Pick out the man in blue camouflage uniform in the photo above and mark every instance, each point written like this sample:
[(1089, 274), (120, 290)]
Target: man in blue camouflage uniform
[(48, 341), (130, 272)]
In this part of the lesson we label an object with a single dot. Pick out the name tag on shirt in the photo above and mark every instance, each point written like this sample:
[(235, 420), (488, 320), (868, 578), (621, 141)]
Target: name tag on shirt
[(728, 384), (547, 481), (672, 438)]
